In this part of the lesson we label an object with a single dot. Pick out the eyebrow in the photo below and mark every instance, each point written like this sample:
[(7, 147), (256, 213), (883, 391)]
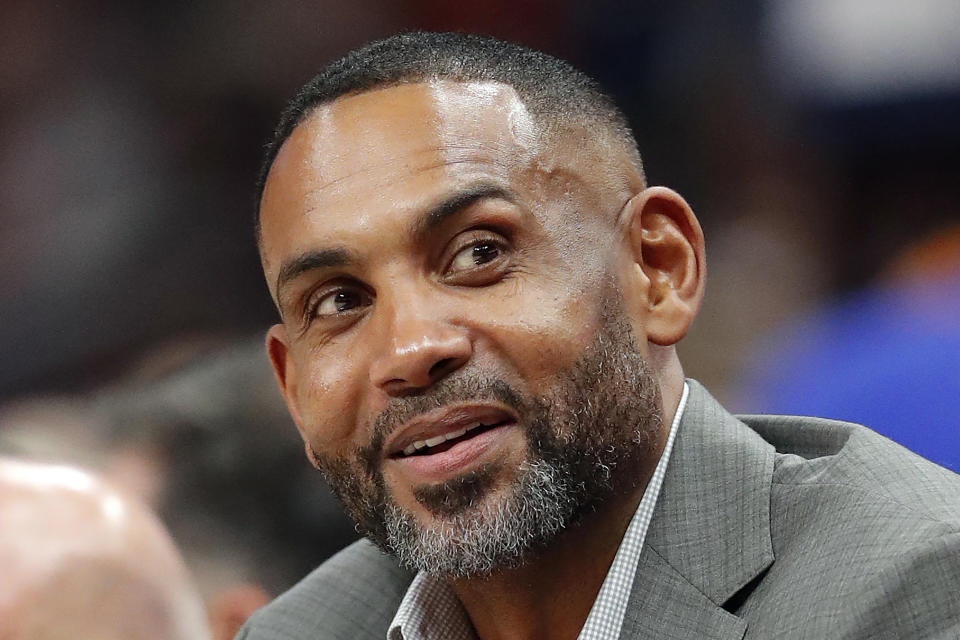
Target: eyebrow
[(325, 258), (436, 214), (432, 218)]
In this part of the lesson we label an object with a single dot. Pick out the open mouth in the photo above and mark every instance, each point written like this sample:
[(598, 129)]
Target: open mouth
[(444, 442)]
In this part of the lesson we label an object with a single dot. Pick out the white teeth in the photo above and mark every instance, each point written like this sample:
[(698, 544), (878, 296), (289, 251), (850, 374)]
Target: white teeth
[(432, 442)]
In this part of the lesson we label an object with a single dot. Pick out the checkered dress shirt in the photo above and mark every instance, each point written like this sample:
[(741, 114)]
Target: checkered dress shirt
[(430, 609)]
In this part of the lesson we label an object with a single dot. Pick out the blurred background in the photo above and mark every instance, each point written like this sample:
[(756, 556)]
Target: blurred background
[(817, 140)]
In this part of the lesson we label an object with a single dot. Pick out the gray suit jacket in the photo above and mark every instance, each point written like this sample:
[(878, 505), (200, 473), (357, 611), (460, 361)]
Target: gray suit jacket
[(766, 527)]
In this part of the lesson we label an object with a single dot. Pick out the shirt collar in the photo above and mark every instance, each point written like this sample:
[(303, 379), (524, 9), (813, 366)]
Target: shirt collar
[(430, 609)]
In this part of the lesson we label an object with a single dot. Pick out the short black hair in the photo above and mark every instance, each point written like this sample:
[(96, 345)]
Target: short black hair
[(552, 89)]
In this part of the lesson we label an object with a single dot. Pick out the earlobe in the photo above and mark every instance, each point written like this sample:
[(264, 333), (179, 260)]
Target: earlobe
[(311, 455), (667, 245)]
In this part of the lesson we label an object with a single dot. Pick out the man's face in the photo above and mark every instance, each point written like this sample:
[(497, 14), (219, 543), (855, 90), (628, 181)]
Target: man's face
[(452, 344)]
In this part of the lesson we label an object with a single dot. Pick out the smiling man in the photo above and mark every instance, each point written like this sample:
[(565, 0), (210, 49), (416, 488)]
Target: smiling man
[(480, 298)]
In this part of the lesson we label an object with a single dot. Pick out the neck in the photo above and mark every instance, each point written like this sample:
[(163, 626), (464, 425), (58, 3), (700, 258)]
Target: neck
[(551, 594)]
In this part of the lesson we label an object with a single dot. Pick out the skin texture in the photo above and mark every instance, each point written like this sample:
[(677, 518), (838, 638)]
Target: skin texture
[(378, 305), (82, 561)]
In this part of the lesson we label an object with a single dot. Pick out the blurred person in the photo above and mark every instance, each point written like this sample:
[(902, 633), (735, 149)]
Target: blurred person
[(885, 355), (480, 299), (83, 561), (198, 432), (234, 487), (884, 350)]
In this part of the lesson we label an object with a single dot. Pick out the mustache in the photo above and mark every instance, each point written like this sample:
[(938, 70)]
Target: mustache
[(463, 388)]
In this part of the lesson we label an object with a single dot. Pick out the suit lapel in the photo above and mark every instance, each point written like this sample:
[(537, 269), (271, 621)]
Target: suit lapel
[(710, 533), (664, 605)]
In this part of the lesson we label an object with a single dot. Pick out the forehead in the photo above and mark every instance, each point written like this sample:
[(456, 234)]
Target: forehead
[(367, 132), (390, 147)]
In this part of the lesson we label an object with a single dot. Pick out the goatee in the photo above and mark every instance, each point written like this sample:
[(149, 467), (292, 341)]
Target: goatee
[(586, 439)]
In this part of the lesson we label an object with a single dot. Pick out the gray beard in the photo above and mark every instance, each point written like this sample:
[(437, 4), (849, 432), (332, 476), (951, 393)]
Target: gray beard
[(589, 438), (493, 536)]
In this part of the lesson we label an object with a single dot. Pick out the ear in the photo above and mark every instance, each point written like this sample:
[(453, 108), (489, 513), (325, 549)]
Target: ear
[(283, 370), (667, 248)]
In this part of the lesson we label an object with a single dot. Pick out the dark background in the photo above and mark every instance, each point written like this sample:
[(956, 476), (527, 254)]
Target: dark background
[(817, 141), (131, 133)]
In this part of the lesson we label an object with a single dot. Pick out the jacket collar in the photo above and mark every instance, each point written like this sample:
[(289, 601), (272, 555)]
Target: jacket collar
[(710, 533)]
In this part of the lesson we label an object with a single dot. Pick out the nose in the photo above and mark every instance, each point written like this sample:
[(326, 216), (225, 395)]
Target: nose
[(418, 351)]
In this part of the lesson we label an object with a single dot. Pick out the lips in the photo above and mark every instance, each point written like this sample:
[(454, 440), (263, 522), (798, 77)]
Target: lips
[(427, 432), (449, 441), (430, 445)]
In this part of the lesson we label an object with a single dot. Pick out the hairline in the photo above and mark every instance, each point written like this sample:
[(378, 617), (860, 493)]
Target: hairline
[(550, 124)]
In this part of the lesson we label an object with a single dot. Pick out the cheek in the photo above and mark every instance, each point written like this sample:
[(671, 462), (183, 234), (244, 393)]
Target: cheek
[(327, 400), (545, 329)]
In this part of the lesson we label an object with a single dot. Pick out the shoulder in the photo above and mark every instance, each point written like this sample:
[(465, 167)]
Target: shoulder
[(863, 530), (354, 594), (816, 454)]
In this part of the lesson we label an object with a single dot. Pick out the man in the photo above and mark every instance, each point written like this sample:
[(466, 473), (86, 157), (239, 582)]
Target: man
[(81, 561), (480, 298)]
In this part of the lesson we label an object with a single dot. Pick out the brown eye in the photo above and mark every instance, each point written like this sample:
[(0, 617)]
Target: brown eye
[(475, 255), (340, 301)]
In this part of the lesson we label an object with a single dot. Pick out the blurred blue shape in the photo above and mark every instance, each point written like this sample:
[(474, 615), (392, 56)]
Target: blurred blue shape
[(888, 358)]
